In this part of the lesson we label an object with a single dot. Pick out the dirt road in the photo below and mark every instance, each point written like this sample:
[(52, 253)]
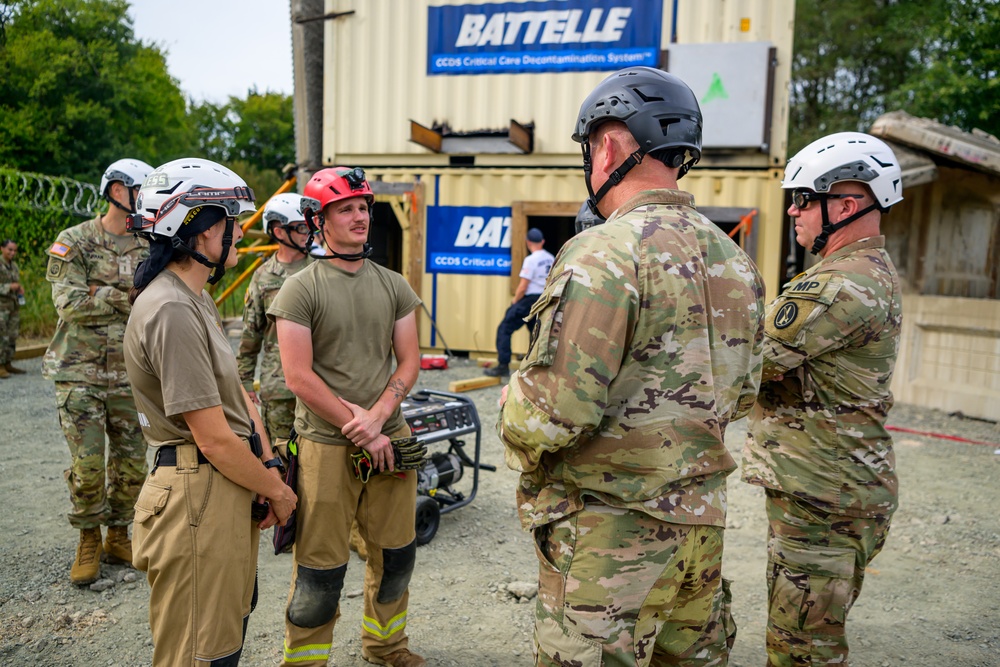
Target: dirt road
[(932, 598)]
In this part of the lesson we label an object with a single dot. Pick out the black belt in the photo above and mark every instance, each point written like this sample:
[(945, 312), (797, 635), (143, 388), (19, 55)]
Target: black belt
[(167, 456)]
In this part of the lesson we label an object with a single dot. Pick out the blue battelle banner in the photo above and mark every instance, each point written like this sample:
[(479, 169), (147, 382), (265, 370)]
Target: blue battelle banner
[(468, 239), (557, 36)]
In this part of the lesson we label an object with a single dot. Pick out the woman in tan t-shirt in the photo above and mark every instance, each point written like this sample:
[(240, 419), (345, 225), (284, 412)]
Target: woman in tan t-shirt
[(194, 533)]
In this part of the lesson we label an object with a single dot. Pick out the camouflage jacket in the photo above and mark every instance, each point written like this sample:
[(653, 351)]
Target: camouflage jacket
[(87, 345), (258, 332), (817, 431), (647, 344), (9, 273)]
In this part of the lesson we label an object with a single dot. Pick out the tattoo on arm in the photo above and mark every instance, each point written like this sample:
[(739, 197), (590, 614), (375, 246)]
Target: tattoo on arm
[(398, 389)]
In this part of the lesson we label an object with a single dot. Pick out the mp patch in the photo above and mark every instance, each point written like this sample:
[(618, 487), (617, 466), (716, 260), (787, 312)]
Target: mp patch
[(803, 285)]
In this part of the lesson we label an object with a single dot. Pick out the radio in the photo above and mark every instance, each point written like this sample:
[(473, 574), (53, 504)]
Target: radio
[(439, 416)]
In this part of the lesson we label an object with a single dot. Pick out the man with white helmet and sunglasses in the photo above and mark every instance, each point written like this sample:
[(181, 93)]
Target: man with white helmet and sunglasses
[(285, 223), (90, 268), (817, 440)]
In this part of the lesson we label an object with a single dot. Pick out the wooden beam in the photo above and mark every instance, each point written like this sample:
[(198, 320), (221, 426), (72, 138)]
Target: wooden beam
[(472, 383), (401, 217), (390, 187), (521, 136), (30, 351), (425, 136)]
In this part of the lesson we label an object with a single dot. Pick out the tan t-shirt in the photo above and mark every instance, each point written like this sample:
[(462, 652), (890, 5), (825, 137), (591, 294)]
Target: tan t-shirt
[(179, 359), (351, 316)]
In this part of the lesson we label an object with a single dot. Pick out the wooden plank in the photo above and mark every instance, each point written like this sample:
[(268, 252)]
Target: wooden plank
[(521, 136), (472, 383), (30, 351), (425, 136), (390, 188)]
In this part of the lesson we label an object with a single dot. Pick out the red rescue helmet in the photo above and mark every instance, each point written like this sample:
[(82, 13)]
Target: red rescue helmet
[(337, 183)]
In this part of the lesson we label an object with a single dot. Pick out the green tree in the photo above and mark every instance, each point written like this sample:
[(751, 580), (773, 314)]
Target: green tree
[(257, 130), (850, 56), (959, 82), (78, 91)]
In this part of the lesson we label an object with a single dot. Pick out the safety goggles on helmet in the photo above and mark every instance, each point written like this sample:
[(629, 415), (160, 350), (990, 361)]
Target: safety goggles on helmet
[(801, 197), (178, 210)]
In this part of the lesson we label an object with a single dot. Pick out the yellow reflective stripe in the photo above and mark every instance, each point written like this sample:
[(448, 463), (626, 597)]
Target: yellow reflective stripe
[(396, 623), (308, 652)]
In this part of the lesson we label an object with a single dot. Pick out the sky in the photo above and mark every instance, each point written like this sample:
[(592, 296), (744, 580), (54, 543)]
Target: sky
[(219, 48)]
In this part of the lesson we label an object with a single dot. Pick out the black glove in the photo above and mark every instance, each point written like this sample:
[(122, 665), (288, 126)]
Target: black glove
[(407, 453)]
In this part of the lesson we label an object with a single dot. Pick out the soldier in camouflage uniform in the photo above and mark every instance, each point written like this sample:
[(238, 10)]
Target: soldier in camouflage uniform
[(10, 319), (817, 440), (90, 268), (647, 345), (286, 225)]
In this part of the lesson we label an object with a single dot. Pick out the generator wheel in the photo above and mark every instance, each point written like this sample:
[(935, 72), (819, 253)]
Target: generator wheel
[(428, 519)]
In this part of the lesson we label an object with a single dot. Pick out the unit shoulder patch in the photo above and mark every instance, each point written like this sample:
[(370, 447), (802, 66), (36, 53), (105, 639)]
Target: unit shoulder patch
[(789, 317)]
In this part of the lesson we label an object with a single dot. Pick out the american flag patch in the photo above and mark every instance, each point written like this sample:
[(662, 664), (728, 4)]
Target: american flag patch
[(59, 249)]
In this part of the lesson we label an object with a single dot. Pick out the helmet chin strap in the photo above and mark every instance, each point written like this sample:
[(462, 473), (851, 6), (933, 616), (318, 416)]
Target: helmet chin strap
[(290, 244), (352, 257), (330, 253), (614, 178), (824, 236), (131, 201), (218, 268)]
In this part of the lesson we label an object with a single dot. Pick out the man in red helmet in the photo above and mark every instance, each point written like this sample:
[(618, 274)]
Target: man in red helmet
[(340, 321)]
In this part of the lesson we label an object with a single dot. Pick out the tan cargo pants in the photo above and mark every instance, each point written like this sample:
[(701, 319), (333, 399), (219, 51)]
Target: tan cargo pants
[(195, 539)]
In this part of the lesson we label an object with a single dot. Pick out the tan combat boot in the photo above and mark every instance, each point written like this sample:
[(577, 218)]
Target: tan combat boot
[(117, 546), (3, 372), (87, 566), (13, 370)]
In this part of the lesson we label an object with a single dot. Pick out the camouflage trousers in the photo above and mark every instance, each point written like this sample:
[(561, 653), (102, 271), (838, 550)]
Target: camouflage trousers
[(279, 417), (620, 588), (815, 568), (101, 491), (10, 325)]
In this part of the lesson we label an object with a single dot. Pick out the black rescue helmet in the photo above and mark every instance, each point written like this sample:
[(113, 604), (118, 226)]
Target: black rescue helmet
[(586, 218), (659, 109)]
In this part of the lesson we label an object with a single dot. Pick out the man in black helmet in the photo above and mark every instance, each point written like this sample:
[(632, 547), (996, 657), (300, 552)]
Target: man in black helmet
[(647, 345)]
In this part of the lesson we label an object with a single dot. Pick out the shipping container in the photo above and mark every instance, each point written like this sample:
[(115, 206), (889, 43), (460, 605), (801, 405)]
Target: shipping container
[(461, 112)]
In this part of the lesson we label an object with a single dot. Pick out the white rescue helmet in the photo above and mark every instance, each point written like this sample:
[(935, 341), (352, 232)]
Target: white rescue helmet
[(174, 193), (288, 209), (847, 156), (129, 171)]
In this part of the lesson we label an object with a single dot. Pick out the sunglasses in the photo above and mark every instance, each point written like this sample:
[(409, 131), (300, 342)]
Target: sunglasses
[(802, 197), (299, 228)]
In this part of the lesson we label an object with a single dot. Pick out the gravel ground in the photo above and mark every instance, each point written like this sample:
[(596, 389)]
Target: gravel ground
[(931, 598)]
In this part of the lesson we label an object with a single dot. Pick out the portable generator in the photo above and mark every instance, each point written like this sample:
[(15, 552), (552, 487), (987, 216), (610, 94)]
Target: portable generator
[(439, 417)]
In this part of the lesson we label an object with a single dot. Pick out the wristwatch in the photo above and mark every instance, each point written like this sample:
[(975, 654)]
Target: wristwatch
[(275, 463)]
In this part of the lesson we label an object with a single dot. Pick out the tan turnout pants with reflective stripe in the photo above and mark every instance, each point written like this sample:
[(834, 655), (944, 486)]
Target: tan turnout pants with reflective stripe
[(330, 499)]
